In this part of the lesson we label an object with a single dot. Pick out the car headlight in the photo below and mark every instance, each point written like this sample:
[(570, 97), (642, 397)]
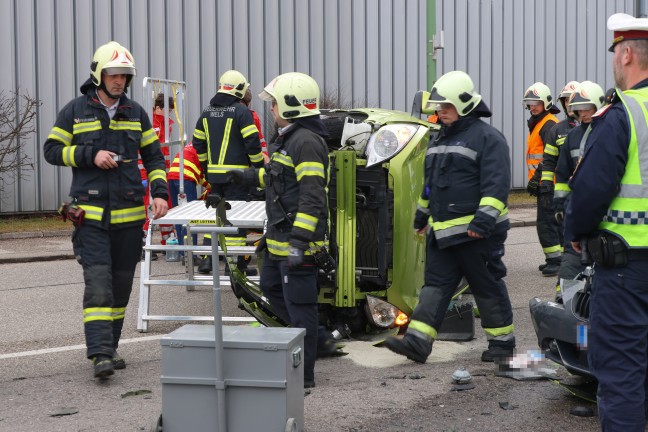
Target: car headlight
[(388, 141), (384, 314)]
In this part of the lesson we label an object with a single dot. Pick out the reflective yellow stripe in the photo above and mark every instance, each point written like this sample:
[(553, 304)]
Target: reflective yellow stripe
[(493, 202), (222, 169), (79, 128), (304, 221), (423, 203), (198, 134), (547, 176), (235, 241), (262, 177), (68, 156), (499, 331), (256, 157), (551, 150), (225, 142), (118, 313), (92, 212), (97, 314), (423, 328), (278, 248), (282, 159), (157, 174), (249, 130), (132, 214), (148, 137), (61, 135), (125, 125), (309, 169), (202, 157)]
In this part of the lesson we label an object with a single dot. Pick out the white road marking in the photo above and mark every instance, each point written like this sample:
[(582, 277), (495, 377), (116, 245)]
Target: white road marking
[(72, 348)]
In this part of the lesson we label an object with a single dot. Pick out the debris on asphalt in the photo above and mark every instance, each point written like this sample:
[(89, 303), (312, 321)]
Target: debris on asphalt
[(64, 411), (416, 376), (136, 393), (529, 365), (507, 405), (582, 411), (461, 376)]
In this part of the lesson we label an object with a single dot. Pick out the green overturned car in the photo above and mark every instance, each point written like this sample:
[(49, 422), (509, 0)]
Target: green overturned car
[(376, 175)]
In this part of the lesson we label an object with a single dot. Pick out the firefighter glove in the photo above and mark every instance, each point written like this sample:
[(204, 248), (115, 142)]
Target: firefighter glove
[(246, 177), (420, 220), (295, 257), (212, 200)]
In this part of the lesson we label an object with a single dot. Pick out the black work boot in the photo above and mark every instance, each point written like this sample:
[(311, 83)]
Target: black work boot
[(497, 354), (118, 362), (205, 266), (412, 347), (103, 366), (542, 266), (552, 268)]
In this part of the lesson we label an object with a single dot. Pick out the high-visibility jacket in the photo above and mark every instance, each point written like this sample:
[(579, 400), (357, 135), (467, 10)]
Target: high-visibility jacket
[(192, 170), (627, 214), (115, 196), (226, 138), (535, 144)]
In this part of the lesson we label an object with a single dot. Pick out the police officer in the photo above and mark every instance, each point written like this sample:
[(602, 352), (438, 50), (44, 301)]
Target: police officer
[(226, 138), (587, 98), (99, 135), (296, 206), (608, 213), (538, 100), (464, 200)]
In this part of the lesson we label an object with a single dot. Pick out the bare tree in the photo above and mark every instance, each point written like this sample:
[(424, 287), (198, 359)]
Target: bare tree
[(17, 112)]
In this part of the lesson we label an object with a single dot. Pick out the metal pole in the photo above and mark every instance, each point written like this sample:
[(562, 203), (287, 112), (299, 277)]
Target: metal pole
[(218, 337)]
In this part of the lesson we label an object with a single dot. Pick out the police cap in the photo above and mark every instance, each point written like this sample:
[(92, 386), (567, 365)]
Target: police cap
[(626, 27)]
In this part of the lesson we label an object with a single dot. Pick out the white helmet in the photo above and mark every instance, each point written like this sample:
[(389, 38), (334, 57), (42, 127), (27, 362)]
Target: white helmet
[(233, 83), (569, 88), (296, 94), (455, 88), (112, 59), (587, 95), (539, 92)]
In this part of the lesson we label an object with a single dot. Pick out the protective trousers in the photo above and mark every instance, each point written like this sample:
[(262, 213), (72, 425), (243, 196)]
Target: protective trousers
[(480, 261), (109, 258), (549, 233), (292, 293), (618, 345)]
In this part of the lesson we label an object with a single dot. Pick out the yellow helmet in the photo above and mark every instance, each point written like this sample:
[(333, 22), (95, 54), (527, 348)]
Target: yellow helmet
[(297, 95), (455, 88), (233, 83), (112, 59), (569, 88), (587, 95), (538, 92)]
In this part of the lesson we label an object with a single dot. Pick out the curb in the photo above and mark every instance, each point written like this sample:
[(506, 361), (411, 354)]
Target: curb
[(34, 234)]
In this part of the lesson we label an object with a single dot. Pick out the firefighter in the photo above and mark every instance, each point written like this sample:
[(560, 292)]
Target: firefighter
[(587, 98), (226, 138), (607, 214), (463, 209), (99, 135), (551, 150), (295, 181), (538, 100)]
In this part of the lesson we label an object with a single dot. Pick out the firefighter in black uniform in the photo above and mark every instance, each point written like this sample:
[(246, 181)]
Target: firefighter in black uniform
[(99, 135), (584, 102), (607, 212), (464, 201), (295, 181), (226, 138)]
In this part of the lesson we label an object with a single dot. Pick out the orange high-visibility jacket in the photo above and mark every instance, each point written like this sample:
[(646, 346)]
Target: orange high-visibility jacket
[(535, 146)]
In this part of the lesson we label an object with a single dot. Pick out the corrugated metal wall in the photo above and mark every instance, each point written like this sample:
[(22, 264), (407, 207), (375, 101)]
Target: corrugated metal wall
[(507, 45), (364, 52)]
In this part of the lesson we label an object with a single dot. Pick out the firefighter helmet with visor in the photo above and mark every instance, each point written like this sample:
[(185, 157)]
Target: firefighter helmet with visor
[(457, 89), (233, 83), (588, 95), (296, 94), (112, 59), (538, 92)]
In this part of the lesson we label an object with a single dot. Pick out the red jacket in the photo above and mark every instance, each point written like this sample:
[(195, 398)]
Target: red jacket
[(192, 169), (158, 127), (257, 122)]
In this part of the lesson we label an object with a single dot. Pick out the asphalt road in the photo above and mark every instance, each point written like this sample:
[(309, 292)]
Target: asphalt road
[(46, 383)]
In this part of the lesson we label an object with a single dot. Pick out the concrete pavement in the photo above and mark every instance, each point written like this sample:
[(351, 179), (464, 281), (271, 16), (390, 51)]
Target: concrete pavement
[(20, 247)]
